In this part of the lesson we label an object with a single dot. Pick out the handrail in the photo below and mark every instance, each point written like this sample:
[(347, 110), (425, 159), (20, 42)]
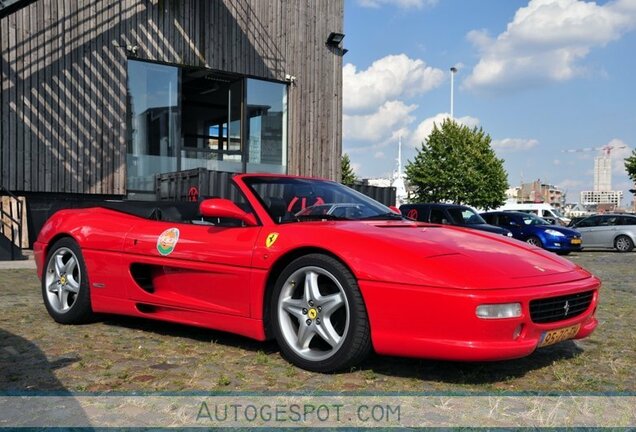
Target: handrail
[(16, 221)]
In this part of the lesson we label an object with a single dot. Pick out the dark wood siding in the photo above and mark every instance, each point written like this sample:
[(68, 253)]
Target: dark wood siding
[(63, 101)]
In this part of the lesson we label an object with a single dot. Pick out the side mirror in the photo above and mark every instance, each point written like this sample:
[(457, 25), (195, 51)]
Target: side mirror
[(224, 208)]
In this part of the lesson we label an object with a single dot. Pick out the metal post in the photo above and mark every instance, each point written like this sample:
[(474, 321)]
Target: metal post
[(453, 72)]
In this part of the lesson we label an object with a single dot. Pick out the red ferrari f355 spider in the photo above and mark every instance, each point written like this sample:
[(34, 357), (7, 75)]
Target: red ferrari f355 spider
[(326, 271)]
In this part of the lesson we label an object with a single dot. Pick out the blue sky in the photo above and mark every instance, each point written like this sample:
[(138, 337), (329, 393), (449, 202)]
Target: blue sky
[(539, 76)]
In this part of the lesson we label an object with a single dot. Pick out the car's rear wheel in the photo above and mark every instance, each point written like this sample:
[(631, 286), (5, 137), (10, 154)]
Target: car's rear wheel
[(319, 317), (535, 241), (623, 244), (65, 283)]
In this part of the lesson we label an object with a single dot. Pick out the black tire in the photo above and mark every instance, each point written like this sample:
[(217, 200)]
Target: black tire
[(623, 243), (76, 308), (563, 253), (354, 343), (534, 240)]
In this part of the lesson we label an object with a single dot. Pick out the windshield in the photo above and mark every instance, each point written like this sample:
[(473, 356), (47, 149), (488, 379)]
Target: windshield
[(531, 219), (289, 199), (465, 216), (558, 213)]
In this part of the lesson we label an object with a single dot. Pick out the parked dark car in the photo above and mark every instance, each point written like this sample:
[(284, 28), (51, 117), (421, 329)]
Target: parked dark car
[(532, 229), (611, 231), (452, 214)]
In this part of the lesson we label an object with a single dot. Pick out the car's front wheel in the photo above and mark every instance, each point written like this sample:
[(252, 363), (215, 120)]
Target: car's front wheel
[(534, 241), (319, 317), (623, 244), (65, 283)]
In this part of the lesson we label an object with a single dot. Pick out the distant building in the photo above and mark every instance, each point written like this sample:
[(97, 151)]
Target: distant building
[(379, 182), (537, 192), (513, 193), (604, 198), (603, 173), (576, 210)]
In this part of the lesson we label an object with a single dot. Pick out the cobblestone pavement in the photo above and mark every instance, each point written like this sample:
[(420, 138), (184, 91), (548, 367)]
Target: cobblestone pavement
[(124, 354)]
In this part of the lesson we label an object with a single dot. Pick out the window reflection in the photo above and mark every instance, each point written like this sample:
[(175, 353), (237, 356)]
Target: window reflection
[(267, 126), (153, 122)]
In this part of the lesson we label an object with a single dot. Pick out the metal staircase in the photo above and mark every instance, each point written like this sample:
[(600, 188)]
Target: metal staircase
[(11, 217)]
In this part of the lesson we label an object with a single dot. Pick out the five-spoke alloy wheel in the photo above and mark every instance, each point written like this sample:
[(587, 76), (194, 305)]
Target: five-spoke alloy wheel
[(65, 283), (319, 318)]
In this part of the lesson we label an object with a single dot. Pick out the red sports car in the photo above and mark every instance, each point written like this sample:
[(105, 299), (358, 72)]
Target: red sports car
[(328, 272)]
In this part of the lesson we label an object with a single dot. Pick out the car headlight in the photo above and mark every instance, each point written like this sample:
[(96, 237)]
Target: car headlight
[(498, 311), (554, 233), (509, 234)]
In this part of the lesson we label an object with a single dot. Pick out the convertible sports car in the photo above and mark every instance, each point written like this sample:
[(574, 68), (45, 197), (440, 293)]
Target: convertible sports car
[(326, 271)]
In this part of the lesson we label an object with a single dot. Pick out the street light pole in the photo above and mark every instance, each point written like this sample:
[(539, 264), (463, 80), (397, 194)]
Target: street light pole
[(453, 72)]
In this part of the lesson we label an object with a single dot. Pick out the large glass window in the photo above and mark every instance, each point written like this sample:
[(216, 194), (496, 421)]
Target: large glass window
[(153, 122), (211, 121), (267, 126), (185, 118)]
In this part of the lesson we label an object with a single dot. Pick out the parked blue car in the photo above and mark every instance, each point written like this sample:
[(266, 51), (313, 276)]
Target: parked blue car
[(536, 231)]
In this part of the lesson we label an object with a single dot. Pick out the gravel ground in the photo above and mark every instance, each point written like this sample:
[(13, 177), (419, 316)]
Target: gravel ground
[(125, 354)]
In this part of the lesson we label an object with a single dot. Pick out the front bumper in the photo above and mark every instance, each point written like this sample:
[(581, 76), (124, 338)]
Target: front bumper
[(563, 244), (438, 323)]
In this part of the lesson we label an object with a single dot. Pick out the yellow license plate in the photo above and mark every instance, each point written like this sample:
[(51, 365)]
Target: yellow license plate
[(575, 241), (554, 336)]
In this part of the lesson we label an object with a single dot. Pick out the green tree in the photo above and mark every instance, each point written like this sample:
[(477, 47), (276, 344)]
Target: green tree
[(348, 175), (457, 164), (630, 166)]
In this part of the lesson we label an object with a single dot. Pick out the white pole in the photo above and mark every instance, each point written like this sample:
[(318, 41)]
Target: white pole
[(453, 71)]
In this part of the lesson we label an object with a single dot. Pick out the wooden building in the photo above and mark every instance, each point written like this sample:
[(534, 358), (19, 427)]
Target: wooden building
[(98, 96)]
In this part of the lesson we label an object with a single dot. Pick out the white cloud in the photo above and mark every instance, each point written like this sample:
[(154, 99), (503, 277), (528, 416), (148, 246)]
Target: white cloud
[(546, 41), (556, 162), (424, 129), (402, 4), (619, 152), (389, 78), (379, 155), (390, 119), (516, 144)]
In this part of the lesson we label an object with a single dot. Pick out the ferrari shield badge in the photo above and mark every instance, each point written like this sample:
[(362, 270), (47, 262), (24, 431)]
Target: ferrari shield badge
[(167, 241), (271, 239)]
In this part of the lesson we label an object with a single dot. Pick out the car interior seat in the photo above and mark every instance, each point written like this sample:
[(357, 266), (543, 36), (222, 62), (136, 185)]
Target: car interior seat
[(277, 208)]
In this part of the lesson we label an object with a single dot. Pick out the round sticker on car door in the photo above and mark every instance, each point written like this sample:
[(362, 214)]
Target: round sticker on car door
[(167, 241)]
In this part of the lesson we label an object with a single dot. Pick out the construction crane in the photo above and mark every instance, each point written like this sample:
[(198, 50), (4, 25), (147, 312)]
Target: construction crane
[(607, 149)]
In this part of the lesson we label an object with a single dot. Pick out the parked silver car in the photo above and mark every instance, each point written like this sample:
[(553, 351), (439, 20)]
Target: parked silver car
[(612, 231)]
